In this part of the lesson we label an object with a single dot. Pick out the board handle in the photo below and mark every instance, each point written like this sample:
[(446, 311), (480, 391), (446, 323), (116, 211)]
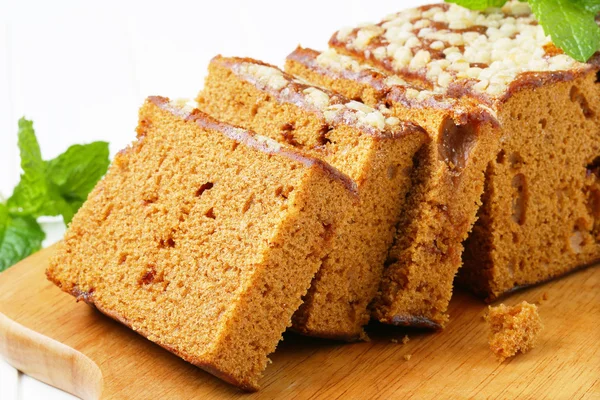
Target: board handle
[(49, 361)]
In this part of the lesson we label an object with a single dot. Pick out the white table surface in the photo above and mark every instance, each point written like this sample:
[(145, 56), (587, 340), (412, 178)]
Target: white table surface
[(81, 69)]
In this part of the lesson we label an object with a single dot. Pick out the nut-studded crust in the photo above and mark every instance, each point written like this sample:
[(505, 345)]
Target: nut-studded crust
[(389, 88), (446, 48), (333, 107)]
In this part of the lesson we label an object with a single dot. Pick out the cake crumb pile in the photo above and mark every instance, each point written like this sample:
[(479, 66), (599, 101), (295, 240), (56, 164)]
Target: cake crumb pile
[(513, 329)]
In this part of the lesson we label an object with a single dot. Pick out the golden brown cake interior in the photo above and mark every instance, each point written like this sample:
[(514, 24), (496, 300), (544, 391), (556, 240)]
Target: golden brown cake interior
[(447, 183), (513, 329), (203, 238), (541, 216), (373, 149)]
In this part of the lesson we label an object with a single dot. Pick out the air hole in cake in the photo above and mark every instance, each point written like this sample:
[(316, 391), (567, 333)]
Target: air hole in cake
[(578, 97), (284, 192), (500, 157), (520, 199), (516, 161), (287, 133), (455, 143), (234, 146), (123, 258), (327, 232), (515, 237), (254, 110), (543, 123), (170, 243), (107, 211), (265, 290), (392, 170), (593, 202), (323, 139), (594, 168), (206, 186), (148, 276), (149, 198), (210, 213), (248, 203)]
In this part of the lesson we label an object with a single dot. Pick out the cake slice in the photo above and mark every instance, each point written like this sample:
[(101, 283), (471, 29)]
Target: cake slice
[(373, 148), (417, 282), (203, 237), (541, 211)]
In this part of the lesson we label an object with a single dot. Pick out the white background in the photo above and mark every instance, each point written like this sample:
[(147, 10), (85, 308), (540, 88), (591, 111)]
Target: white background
[(80, 70)]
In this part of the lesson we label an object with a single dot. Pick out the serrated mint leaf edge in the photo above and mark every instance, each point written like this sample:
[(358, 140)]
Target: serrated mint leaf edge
[(23, 236)]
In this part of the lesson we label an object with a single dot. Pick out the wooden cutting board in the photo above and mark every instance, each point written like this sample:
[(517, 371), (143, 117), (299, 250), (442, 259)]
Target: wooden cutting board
[(46, 334)]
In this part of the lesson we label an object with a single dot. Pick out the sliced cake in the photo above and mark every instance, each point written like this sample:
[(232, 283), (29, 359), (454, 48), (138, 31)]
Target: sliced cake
[(541, 211), (375, 149), (417, 282), (203, 237)]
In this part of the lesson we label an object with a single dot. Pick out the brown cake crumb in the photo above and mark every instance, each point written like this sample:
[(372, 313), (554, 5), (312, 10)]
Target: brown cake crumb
[(407, 357), (513, 329), (394, 340), (405, 339)]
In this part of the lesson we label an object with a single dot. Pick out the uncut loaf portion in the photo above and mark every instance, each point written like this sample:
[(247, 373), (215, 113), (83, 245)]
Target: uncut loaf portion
[(376, 150), (448, 181), (541, 205), (203, 237)]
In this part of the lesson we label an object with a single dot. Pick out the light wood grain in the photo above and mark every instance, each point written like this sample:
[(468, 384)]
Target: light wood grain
[(455, 363)]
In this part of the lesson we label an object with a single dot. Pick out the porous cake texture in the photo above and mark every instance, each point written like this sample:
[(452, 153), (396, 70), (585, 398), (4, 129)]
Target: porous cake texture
[(375, 149), (513, 329), (541, 208), (203, 237), (447, 182)]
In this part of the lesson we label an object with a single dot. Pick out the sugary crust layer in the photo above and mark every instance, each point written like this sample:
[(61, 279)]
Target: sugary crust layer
[(334, 108), (449, 49), (390, 88), (188, 112)]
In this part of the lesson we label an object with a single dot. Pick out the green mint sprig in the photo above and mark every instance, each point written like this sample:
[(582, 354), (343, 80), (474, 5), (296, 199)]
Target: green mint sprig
[(47, 188), (571, 24)]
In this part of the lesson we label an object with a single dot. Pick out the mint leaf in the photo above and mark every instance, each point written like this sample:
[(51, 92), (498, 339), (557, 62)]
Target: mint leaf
[(55, 187), (75, 173), (31, 193), (571, 25), (59, 186), (22, 236), (592, 6), (478, 4), (3, 220), (77, 170)]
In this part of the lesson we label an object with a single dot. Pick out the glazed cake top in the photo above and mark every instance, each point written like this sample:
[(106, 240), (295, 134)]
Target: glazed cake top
[(446, 48)]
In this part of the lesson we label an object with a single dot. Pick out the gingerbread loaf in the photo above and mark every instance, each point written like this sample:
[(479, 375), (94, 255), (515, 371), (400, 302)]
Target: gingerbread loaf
[(448, 182), (541, 208), (203, 237), (374, 148)]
